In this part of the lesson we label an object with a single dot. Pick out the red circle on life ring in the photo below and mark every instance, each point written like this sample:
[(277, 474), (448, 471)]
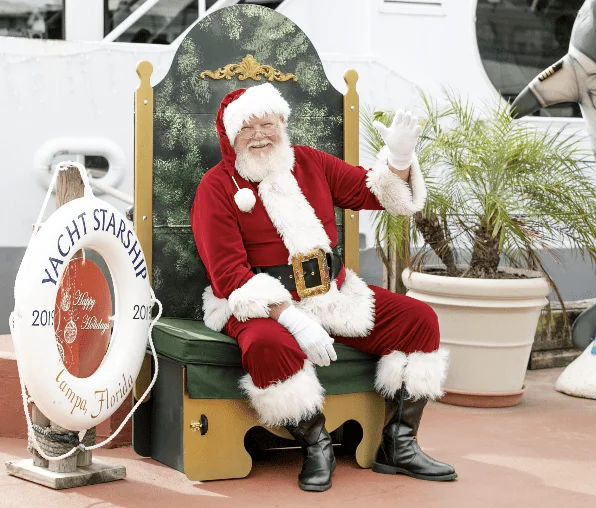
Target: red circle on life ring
[(82, 313)]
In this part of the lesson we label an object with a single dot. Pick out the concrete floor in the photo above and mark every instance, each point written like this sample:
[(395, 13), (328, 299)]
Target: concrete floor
[(541, 453)]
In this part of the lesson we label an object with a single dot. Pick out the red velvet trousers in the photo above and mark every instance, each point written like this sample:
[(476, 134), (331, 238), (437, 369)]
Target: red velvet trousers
[(270, 353)]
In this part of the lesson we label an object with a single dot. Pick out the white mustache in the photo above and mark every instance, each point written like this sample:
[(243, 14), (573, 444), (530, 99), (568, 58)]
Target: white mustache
[(259, 144)]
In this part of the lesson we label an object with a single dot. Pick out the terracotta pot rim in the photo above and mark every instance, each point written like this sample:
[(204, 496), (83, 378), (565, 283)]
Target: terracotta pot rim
[(484, 400), (487, 394)]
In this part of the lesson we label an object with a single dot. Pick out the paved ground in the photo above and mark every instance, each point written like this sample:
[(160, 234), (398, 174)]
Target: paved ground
[(541, 453)]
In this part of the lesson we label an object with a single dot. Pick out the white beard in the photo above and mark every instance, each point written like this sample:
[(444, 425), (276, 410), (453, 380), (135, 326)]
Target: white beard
[(255, 168)]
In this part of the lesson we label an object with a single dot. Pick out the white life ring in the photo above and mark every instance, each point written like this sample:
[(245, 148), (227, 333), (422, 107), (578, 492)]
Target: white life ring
[(71, 402)]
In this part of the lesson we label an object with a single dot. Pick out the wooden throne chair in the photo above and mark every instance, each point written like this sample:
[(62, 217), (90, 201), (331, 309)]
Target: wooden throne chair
[(195, 418)]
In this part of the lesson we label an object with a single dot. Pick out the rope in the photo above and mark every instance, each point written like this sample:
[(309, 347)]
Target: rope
[(55, 440), (61, 166)]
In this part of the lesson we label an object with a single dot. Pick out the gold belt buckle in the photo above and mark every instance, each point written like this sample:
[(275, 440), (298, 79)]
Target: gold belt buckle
[(297, 260)]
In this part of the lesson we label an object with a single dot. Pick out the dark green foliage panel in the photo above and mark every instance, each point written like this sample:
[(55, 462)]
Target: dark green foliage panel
[(186, 144)]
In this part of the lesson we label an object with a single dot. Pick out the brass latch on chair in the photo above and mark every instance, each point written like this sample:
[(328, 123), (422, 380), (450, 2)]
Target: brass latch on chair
[(202, 426)]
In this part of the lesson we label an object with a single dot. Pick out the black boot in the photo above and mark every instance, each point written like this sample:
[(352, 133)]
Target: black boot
[(319, 460), (399, 452)]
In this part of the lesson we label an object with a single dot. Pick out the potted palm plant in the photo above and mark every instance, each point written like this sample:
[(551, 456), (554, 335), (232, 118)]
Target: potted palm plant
[(499, 194)]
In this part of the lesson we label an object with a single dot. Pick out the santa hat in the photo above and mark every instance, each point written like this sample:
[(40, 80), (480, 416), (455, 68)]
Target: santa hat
[(237, 107), (256, 101)]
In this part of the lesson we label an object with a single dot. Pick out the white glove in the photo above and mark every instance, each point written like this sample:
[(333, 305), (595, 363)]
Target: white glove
[(311, 337), (400, 138)]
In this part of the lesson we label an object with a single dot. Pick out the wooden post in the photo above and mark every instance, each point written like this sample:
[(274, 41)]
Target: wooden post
[(67, 465), (69, 186), (39, 418), (84, 458)]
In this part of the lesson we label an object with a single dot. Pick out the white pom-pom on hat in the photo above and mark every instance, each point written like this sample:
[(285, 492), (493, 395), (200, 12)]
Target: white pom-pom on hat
[(257, 101), (245, 199)]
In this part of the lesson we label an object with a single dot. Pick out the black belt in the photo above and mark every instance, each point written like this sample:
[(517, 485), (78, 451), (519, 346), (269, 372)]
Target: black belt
[(310, 271)]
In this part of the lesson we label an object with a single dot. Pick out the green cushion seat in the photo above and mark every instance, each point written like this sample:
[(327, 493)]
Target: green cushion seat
[(214, 368)]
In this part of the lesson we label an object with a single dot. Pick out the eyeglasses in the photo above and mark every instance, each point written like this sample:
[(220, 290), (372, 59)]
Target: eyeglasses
[(268, 129)]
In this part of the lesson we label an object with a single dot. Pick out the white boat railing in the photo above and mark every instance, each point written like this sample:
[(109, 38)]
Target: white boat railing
[(96, 183)]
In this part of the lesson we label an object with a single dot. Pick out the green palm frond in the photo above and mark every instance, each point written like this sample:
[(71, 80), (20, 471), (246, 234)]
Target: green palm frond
[(498, 189)]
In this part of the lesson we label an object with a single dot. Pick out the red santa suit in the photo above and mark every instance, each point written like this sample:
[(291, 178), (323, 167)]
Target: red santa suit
[(293, 213)]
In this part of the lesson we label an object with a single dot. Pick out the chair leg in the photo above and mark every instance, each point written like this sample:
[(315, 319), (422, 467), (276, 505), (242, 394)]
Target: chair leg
[(371, 439), (219, 453), (368, 409)]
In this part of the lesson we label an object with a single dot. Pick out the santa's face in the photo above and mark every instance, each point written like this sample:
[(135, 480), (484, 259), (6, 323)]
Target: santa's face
[(258, 136), (263, 148)]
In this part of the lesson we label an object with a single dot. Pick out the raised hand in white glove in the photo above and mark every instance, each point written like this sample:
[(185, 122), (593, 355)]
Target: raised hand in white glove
[(311, 337), (400, 138)]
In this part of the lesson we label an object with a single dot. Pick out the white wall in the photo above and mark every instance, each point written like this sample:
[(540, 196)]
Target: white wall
[(427, 50), (50, 89)]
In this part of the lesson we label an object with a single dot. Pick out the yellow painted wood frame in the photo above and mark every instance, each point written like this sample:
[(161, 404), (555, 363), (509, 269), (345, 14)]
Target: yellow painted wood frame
[(351, 156), (143, 190), (220, 454)]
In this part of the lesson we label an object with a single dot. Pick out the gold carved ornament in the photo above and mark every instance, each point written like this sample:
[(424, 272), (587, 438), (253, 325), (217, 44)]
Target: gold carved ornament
[(249, 68)]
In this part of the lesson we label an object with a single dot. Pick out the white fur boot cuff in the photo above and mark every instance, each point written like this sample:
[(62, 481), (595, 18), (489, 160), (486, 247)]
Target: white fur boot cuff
[(423, 374), (286, 402)]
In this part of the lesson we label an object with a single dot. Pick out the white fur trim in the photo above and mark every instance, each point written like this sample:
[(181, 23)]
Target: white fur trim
[(245, 199), (286, 402), (390, 373), (292, 215), (252, 299), (348, 312), (257, 101), (393, 193), (425, 374), (579, 378), (216, 311)]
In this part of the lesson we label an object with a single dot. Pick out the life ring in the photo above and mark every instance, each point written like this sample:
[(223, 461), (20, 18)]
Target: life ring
[(71, 402)]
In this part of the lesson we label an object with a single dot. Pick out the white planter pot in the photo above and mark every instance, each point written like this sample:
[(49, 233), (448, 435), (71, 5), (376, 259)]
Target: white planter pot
[(488, 325)]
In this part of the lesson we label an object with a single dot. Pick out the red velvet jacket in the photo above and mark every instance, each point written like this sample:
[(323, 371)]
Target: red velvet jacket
[(230, 241)]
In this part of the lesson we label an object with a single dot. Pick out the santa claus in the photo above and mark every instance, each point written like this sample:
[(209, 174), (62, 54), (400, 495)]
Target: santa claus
[(264, 225)]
